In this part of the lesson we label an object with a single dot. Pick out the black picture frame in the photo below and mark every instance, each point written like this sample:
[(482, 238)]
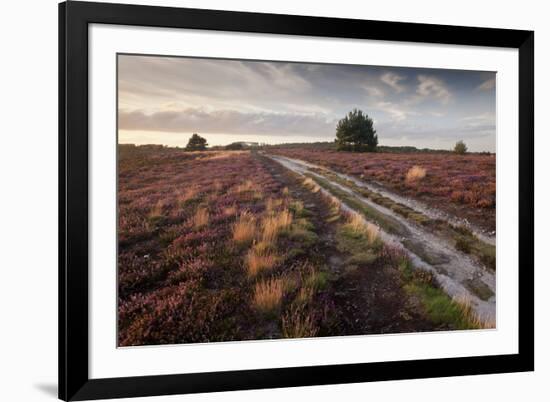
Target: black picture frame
[(74, 18)]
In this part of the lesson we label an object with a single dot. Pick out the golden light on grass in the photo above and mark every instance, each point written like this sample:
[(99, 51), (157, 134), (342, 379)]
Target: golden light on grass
[(156, 211), (335, 202), (248, 185), (358, 225), (272, 204), (230, 210), (298, 323), (268, 295), (474, 319), (244, 229), (257, 262), (416, 173), (200, 218), (252, 190), (297, 206), (273, 225), (311, 185), (185, 195)]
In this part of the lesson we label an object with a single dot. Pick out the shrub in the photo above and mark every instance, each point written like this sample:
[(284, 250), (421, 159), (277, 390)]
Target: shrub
[(460, 148), (196, 143)]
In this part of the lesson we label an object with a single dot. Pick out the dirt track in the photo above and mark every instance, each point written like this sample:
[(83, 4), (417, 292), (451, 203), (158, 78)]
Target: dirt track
[(457, 273)]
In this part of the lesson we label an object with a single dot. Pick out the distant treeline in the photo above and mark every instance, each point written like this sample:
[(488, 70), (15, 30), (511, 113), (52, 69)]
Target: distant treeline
[(381, 148), (125, 150)]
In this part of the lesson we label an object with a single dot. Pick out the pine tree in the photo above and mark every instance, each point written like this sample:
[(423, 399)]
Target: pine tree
[(196, 143), (356, 132)]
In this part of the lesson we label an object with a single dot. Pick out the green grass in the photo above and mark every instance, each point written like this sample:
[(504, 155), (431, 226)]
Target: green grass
[(467, 242), (438, 306)]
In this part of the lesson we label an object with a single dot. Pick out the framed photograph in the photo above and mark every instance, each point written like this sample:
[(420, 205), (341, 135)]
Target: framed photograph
[(256, 200)]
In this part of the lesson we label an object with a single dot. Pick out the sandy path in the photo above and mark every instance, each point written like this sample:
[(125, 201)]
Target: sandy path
[(457, 273)]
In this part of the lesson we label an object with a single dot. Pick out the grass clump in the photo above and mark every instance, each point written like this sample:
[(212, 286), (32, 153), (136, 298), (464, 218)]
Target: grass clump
[(365, 258), (200, 218), (467, 242), (299, 322), (268, 295), (274, 225), (257, 261), (244, 230), (184, 197), (297, 208), (317, 280), (272, 204), (311, 185), (414, 174)]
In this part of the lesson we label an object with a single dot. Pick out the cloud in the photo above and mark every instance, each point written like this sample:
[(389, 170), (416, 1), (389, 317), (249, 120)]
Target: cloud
[(393, 80), (228, 122), (431, 87), (487, 85), (373, 91), (396, 112), (239, 97)]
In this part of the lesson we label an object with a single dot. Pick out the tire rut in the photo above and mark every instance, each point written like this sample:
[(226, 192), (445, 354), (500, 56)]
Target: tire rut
[(457, 273)]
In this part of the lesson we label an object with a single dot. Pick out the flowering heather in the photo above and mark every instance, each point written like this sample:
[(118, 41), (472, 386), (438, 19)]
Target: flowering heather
[(464, 185), (225, 246), (191, 226)]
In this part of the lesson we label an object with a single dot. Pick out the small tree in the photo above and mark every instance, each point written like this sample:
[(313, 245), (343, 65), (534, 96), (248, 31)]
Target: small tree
[(356, 132), (460, 147), (196, 143)]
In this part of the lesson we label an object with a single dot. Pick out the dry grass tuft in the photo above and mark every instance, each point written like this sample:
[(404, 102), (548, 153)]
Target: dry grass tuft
[(257, 262), (268, 295), (272, 204), (298, 323), (156, 211), (248, 185), (416, 173), (358, 225), (335, 202), (470, 316), (244, 229), (286, 192), (231, 210), (297, 206), (200, 218), (273, 225), (310, 184), (189, 193)]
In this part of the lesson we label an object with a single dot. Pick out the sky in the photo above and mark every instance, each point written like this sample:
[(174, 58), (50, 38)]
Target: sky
[(163, 100)]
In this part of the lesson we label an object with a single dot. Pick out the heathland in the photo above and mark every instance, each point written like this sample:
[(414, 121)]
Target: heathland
[(302, 241)]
